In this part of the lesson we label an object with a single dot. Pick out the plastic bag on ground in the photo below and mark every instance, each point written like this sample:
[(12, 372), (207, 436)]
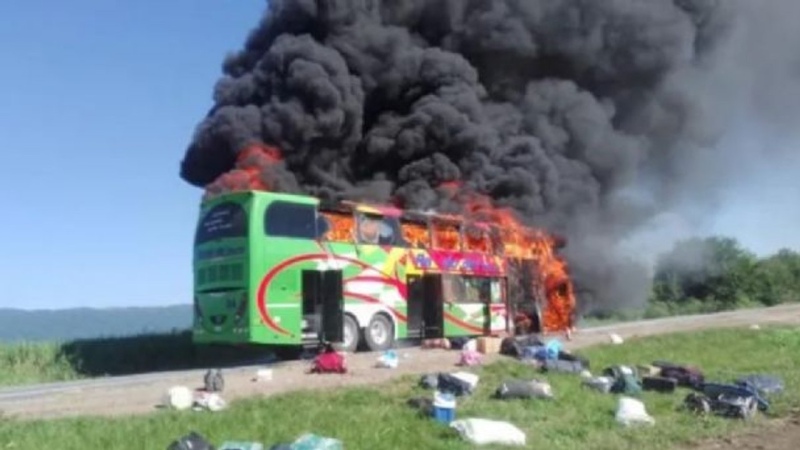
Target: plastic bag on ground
[(179, 397), (763, 384), (471, 346), (211, 402), (485, 431), (615, 338), (553, 348), (388, 360), (313, 442), (632, 412)]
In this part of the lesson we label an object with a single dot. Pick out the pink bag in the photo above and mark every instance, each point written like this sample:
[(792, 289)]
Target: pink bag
[(470, 358)]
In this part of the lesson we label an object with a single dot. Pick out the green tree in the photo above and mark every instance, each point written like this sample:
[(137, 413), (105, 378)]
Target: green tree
[(715, 271)]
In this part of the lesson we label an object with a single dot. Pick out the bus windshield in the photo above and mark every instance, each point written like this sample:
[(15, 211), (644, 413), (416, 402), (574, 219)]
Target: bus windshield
[(225, 220)]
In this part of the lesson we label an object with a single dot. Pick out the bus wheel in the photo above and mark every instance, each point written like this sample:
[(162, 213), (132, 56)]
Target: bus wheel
[(350, 343), (379, 334)]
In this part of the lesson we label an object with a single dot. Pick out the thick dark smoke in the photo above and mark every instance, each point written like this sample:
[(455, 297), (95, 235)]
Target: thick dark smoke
[(556, 108)]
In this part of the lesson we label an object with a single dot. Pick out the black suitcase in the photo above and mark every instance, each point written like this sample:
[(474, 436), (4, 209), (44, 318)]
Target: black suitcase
[(192, 441), (659, 384)]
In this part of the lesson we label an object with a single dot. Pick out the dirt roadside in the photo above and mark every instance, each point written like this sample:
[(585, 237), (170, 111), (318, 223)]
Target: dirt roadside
[(782, 435), (144, 398)]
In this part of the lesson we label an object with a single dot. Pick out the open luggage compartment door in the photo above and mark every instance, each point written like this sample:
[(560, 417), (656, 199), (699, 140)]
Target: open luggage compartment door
[(332, 299), (432, 306)]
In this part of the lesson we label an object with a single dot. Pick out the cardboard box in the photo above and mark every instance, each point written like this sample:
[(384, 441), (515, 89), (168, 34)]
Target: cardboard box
[(489, 345)]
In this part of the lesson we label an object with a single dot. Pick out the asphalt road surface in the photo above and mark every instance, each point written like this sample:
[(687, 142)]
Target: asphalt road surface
[(138, 394)]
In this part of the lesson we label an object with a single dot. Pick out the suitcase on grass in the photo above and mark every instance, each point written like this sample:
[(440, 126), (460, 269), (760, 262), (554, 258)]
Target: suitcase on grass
[(659, 384), (191, 441)]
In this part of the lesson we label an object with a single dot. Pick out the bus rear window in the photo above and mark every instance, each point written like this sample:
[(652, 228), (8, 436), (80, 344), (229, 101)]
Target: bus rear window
[(226, 220)]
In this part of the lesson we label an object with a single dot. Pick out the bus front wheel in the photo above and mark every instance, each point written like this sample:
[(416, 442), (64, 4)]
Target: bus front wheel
[(379, 334)]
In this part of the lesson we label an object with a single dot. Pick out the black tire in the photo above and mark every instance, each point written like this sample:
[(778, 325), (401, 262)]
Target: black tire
[(350, 328), (379, 334)]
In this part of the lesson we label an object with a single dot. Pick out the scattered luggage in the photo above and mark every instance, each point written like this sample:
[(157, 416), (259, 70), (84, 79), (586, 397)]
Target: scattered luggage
[(484, 431), (659, 384), (524, 389), (626, 380), (726, 405), (717, 390), (559, 365), (329, 361), (191, 441), (213, 381), (764, 385), (686, 376)]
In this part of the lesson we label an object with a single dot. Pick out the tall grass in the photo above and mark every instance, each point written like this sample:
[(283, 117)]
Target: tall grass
[(26, 363)]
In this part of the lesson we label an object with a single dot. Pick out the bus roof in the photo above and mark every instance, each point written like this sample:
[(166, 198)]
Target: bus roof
[(348, 206)]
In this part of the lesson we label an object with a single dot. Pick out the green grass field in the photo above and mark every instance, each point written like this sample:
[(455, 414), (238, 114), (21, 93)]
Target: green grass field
[(377, 417)]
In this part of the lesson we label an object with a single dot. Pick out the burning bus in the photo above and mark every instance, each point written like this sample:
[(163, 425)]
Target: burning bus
[(283, 269)]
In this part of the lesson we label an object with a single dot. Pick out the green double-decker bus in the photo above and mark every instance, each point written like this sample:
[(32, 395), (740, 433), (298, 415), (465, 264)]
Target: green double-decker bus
[(281, 269)]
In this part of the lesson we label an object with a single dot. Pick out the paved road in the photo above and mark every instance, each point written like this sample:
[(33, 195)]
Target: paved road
[(139, 393)]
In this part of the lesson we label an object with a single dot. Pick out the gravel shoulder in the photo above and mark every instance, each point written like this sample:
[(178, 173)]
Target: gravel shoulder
[(142, 394)]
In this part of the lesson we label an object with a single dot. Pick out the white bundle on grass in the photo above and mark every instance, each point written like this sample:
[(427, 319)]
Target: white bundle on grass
[(179, 397), (631, 412), (485, 431)]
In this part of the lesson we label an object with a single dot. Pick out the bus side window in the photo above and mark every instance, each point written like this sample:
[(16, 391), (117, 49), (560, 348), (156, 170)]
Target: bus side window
[(415, 235), (392, 225), (497, 294), (339, 227), (290, 220), (323, 226), (374, 229)]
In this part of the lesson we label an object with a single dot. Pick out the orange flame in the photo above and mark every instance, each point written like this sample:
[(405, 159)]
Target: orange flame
[(341, 226), (246, 175), (416, 234), (521, 242), (446, 236)]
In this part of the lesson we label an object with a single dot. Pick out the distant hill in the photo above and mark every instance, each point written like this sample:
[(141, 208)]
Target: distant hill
[(74, 323)]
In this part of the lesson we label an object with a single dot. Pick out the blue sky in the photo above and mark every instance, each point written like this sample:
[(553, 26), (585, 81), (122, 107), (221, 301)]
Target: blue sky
[(99, 100)]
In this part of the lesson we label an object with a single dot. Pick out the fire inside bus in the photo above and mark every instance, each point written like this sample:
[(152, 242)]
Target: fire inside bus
[(281, 269)]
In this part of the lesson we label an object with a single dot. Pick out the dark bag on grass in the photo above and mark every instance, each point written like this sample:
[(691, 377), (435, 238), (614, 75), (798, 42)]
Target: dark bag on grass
[(560, 365), (510, 347), (192, 441), (717, 390), (686, 376), (659, 384), (566, 356), (453, 385), (423, 405), (626, 380)]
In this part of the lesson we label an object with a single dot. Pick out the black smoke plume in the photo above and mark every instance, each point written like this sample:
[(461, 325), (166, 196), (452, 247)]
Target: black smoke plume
[(555, 108)]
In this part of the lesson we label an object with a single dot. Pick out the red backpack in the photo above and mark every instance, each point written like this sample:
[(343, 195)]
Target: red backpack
[(329, 362)]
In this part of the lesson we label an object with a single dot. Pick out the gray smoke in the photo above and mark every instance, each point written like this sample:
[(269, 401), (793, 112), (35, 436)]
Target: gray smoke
[(558, 108)]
